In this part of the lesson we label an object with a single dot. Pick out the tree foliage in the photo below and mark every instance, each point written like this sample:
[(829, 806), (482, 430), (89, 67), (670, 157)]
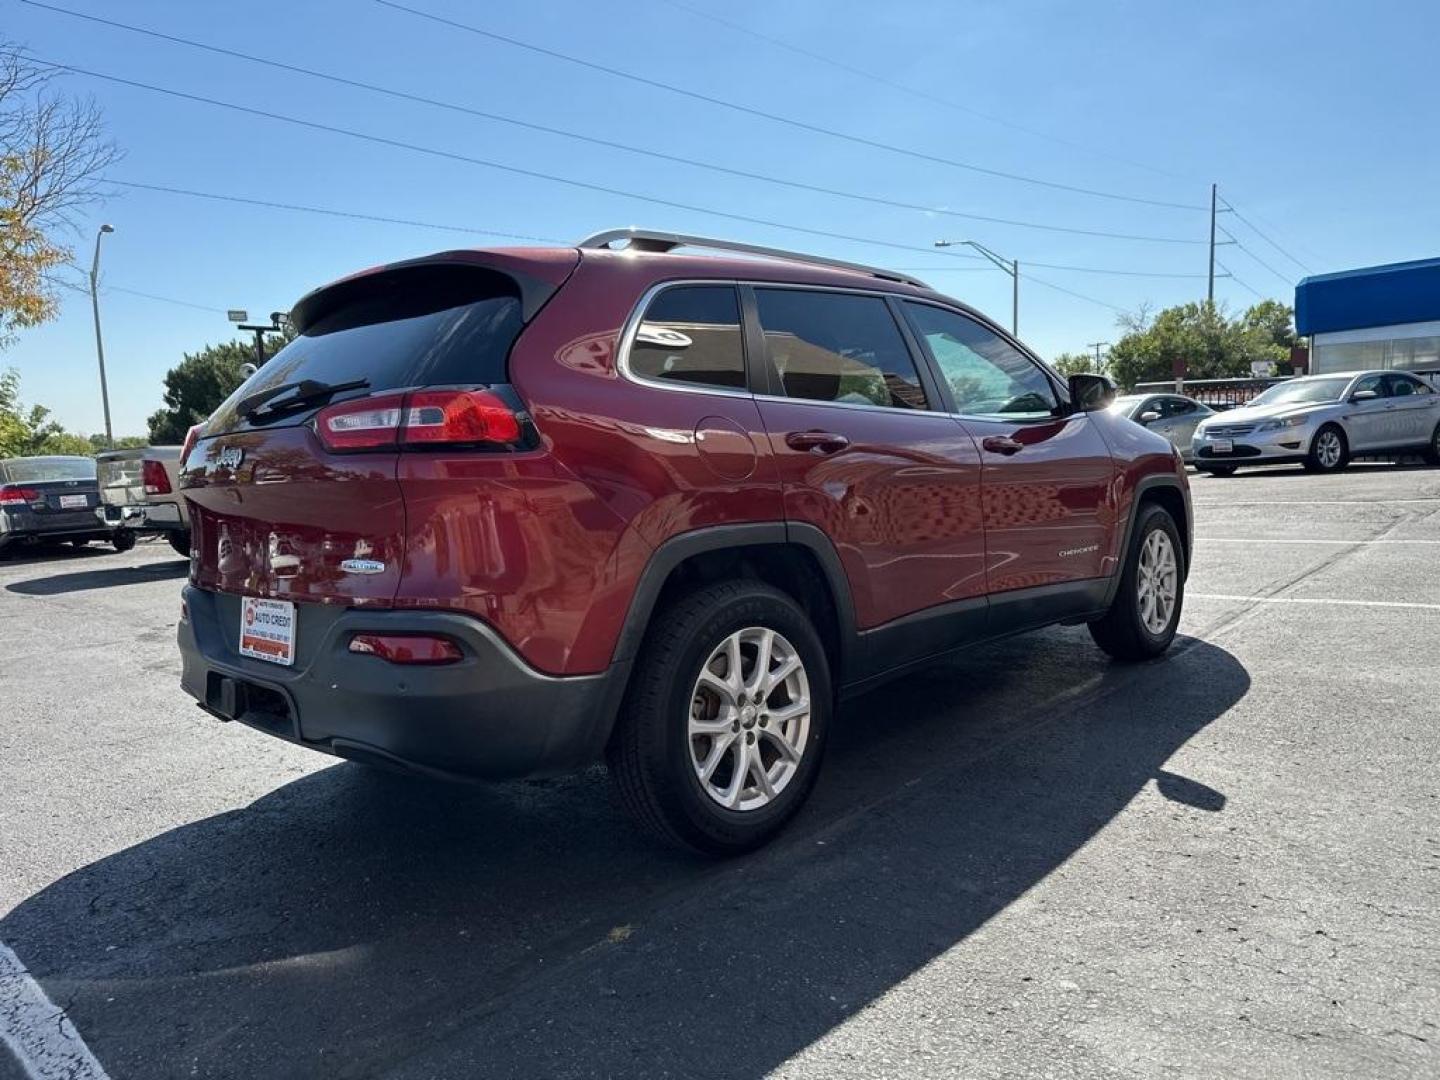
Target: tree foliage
[(1077, 363), (25, 431), (53, 152), (195, 387), (1212, 343)]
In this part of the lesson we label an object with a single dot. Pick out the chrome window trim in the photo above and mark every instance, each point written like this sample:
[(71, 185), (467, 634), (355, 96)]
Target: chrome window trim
[(637, 315), (632, 328)]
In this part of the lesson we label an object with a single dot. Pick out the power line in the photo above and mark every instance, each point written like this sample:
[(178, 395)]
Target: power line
[(1241, 283), (1261, 261), (351, 214), (450, 155), (873, 144), (1028, 278), (923, 95), (608, 143), (1267, 239)]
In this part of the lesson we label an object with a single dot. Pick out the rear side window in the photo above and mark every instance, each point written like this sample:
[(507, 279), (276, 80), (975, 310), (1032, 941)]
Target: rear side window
[(838, 347), (691, 334), (987, 375), (425, 327)]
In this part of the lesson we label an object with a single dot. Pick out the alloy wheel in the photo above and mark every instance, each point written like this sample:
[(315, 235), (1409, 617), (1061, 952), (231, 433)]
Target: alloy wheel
[(1328, 449), (749, 719), (1157, 581)]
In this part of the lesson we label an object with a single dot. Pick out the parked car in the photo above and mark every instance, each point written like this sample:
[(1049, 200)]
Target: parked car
[(49, 500), (1173, 415), (503, 513), (1322, 421), (140, 493)]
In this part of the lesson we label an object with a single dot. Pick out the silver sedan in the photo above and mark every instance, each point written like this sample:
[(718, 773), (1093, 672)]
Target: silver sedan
[(1322, 421), (1173, 415)]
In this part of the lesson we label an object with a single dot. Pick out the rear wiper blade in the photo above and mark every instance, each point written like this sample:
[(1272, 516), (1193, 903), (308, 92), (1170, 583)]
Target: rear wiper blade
[(304, 391)]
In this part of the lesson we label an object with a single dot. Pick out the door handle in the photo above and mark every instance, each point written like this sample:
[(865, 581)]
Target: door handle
[(1002, 444), (824, 442)]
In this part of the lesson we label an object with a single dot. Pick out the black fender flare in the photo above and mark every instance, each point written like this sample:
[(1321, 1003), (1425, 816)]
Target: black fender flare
[(1150, 483)]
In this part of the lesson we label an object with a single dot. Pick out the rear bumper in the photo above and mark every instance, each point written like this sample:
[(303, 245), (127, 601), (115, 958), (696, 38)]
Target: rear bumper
[(28, 527), (161, 517), (488, 716)]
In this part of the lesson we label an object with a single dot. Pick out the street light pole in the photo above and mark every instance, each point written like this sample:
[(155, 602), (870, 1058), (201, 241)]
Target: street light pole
[(99, 342), (1010, 266)]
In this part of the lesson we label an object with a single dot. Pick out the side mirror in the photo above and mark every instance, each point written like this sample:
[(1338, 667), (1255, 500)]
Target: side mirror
[(1364, 395), (1090, 393), (1149, 416)]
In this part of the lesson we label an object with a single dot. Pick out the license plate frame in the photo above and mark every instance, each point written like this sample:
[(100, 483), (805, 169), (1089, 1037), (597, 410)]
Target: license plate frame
[(74, 502), (1222, 446), (268, 630)]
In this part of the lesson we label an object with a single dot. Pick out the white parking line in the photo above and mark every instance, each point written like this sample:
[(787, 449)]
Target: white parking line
[(37, 1031), (1267, 540), (1316, 502), (1310, 600)]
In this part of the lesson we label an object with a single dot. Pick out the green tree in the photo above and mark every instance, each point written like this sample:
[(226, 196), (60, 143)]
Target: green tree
[(53, 153), (1212, 344), (196, 386), (1077, 363), (28, 431)]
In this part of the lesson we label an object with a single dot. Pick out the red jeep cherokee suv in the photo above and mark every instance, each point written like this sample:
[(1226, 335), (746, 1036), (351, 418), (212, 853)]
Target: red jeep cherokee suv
[(503, 513)]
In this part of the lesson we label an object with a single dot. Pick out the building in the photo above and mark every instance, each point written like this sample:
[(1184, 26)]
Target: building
[(1376, 317)]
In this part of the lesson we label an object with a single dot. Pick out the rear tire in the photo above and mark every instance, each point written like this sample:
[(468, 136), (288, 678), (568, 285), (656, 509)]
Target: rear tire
[(122, 540), (1329, 452), (1219, 470), (180, 541), (1432, 452), (1134, 629), (686, 686), (80, 544)]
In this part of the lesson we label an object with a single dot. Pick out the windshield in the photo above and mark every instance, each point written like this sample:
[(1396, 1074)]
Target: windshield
[(1303, 393), (43, 470), (1125, 405)]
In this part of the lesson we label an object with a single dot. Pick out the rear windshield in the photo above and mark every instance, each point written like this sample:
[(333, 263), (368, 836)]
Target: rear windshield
[(44, 470), (427, 329)]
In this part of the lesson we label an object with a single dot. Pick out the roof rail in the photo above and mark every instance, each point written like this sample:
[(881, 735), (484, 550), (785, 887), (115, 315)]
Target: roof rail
[(653, 240)]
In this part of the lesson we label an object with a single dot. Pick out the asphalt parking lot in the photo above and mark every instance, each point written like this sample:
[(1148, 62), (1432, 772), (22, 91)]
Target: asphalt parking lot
[(1225, 863)]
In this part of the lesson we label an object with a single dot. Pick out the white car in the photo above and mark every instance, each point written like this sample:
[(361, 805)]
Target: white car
[(1173, 415), (1322, 421)]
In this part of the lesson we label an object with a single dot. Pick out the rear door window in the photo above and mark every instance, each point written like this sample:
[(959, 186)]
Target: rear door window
[(691, 334), (425, 327), (840, 347)]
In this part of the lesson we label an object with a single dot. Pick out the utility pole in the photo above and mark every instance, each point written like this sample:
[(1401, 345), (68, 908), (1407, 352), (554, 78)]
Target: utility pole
[(259, 332), (99, 343), (1210, 289), (1097, 346), (1010, 266)]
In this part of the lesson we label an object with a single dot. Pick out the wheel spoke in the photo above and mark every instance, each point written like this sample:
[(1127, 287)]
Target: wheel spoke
[(719, 749), (732, 795), (787, 750), (761, 774), (785, 713), (763, 650), (779, 675), (721, 686)]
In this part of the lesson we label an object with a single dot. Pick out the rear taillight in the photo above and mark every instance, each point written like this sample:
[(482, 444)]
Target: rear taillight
[(419, 418), (407, 648), (191, 438), (17, 496), (156, 482)]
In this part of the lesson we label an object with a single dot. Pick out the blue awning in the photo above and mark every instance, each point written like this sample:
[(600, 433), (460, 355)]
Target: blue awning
[(1407, 292)]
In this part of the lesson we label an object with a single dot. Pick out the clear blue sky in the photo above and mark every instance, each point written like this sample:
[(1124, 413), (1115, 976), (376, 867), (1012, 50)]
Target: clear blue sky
[(1316, 117)]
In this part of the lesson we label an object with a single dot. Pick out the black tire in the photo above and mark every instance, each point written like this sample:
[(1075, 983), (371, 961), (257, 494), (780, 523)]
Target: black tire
[(1219, 470), (80, 543), (122, 540), (179, 540), (650, 751), (1432, 452), (1314, 461), (1121, 631)]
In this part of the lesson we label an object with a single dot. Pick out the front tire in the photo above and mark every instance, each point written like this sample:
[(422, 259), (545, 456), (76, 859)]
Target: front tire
[(724, 723), (1145, 613), (1329, 452)]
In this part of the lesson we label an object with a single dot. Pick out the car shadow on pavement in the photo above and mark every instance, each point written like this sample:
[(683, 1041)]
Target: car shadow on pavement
[(84, 580), (351, 923)]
